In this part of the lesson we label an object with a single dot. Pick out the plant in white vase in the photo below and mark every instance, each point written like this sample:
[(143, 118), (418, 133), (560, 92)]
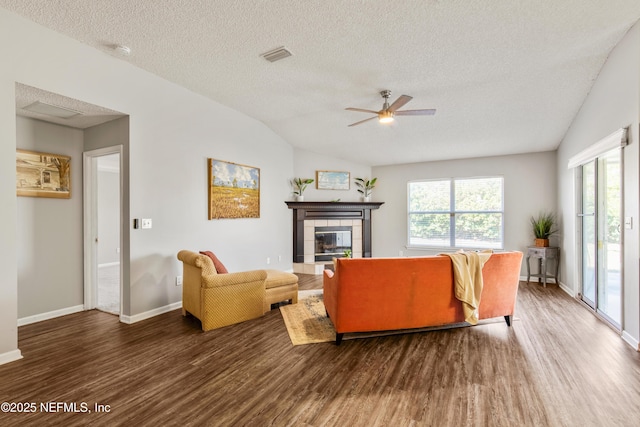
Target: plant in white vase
[(365, 186), (299, 185)]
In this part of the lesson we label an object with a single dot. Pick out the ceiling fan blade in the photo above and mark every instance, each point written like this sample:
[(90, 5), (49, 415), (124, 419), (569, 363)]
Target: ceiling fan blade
[(399, 103), (362, 110), (428, 112), (362, 121)]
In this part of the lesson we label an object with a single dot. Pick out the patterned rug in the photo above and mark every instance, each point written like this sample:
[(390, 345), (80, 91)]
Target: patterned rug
[(307, 321)]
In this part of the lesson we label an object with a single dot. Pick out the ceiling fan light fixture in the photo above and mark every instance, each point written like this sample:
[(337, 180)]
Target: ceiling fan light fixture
[(385, 117)]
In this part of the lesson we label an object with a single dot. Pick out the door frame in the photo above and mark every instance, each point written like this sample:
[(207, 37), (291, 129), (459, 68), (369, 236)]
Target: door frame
[(90, 222)]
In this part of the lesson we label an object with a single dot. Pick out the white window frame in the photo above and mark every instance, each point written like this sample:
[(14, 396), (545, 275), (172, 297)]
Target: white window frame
[(452, 213)]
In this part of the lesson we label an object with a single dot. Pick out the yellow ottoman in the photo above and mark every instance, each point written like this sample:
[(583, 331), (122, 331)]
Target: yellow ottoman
[(280, 286)]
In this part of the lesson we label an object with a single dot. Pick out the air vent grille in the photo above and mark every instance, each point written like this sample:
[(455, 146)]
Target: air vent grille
[(276, 54), (51, 110)]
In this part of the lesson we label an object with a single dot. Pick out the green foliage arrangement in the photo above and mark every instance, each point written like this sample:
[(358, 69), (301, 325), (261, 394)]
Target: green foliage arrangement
[(543, 225), (299, 185), (365, 186), (347, 253)]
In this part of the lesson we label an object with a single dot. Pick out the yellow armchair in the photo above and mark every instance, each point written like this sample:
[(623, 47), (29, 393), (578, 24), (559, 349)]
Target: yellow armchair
[(219, 300)]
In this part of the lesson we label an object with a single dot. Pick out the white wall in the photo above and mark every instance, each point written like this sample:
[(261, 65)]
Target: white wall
[(307, 163), (529, 187), (614, 102), (8, 226), (172, 133), (49, 246)]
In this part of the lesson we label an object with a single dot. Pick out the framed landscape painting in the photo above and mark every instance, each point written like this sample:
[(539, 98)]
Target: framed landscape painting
[(332, 180), (43, 175), (234, 190)]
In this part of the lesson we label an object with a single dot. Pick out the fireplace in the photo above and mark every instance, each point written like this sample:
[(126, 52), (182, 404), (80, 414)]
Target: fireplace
[(309, 215), (332, 242)]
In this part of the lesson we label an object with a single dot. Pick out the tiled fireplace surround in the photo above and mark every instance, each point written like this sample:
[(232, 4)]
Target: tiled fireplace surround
[(309, 215), (310, 266)]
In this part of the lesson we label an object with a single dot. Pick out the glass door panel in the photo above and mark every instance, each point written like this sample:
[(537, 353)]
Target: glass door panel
[(609, 230), (589, 233)]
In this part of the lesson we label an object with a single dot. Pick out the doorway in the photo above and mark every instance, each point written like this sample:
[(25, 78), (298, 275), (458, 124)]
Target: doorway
[(102, 230), (600, 219)]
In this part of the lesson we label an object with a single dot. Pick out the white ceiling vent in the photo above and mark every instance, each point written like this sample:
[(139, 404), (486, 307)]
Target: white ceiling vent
[(276, 54), (52, 110)]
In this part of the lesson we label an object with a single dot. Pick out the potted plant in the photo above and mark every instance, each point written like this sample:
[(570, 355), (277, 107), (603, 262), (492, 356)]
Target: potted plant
[(543, 228), (364, 187), (299, 185)]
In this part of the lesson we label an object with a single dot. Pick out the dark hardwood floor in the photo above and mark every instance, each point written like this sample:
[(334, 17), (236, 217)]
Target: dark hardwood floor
[(557, 366)]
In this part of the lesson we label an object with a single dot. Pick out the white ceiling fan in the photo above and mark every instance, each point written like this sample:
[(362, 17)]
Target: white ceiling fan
[(388, 112)]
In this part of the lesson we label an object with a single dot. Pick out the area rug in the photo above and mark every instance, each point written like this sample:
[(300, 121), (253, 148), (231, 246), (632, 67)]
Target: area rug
[(307, 322)]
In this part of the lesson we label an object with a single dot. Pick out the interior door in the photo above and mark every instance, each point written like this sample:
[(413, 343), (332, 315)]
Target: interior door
[(102, 196)]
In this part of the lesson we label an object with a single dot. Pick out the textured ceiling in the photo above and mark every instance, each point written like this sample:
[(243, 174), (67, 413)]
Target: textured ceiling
[(505, 76)]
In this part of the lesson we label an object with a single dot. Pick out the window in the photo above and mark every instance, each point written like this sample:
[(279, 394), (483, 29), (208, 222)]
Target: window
[(456, 213)]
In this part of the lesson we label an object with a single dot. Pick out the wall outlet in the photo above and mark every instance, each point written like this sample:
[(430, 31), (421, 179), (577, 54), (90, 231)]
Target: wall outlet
[(178, 280), (146, 223), (268, 260), (279, 258), (400, 253)]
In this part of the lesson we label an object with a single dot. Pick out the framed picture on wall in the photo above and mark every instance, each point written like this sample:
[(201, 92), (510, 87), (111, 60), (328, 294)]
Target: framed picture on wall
[(234, 190), (43, 175), (332, 180)]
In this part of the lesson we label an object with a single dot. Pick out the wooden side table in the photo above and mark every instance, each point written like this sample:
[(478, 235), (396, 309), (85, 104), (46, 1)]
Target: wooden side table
[(542, 254)]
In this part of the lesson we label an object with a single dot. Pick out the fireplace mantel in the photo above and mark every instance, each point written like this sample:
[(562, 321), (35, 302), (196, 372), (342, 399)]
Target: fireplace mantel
[(330, 210)]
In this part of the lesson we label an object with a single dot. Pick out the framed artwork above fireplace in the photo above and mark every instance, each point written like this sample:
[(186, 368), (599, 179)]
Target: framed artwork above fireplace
[(332, 180)]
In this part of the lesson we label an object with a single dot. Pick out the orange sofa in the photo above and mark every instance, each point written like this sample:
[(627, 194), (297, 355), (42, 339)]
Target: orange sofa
[(382, 294)]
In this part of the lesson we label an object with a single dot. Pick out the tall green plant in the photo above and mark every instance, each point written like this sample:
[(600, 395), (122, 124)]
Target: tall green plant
[(299, 185), (543, 225), (365, 186)]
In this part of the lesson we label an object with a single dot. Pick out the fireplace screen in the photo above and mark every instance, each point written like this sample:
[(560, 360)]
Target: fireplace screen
[(331, 242)]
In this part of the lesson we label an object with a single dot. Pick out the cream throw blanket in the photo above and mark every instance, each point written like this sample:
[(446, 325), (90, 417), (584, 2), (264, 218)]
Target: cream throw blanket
[(467, 275)]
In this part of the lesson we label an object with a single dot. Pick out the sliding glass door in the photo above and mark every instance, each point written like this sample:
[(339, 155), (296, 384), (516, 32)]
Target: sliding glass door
[(600, 218)]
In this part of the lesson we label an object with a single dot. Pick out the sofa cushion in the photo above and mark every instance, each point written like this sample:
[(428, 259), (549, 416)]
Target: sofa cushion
[(276, 278), (220, 268)]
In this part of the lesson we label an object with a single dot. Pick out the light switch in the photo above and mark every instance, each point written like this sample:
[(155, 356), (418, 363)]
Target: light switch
[(628, 222), (146, 223)]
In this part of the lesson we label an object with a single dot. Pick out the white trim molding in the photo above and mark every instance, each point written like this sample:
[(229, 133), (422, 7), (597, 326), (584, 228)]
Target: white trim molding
[(631, 340), (10, 356), (617, 139), (151, 313), (49, 315)]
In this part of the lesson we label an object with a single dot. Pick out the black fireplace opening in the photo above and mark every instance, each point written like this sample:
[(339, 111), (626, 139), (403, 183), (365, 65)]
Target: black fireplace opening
[(332, 242)]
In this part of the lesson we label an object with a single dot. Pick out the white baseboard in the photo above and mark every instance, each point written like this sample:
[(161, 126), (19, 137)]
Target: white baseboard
[(568, 290), (631, 340), (151, 313), (78, 308), (10, 356), (50, 315)]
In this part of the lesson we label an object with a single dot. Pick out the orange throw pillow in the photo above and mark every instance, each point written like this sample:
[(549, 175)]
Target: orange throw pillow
[(220, 268)]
